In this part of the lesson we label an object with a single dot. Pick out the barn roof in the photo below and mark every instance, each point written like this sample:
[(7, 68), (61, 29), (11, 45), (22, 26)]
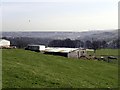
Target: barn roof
[(35, 45), (61, 50), (3, 40)]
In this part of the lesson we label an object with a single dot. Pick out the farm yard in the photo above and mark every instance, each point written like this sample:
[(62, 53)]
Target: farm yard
[(28, 69), (106, 53)]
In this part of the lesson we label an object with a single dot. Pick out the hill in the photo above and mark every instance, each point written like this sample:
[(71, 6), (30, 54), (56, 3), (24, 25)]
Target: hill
[(85, 35), (27, 69)]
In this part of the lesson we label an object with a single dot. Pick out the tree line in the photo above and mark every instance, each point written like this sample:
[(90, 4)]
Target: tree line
[(22, 42), (93, 44)]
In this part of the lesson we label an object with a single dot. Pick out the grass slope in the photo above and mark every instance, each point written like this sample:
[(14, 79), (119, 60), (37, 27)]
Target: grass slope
[(27, 69), (106, 52)]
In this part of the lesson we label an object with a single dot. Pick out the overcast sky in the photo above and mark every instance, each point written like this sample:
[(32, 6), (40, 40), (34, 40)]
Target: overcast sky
[(59, 15)]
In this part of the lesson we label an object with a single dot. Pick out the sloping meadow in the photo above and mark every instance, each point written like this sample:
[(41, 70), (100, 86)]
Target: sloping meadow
[(27, 69)]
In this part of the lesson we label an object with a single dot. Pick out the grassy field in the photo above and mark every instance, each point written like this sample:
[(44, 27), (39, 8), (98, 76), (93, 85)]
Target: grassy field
[(27, 69), (106, 52)]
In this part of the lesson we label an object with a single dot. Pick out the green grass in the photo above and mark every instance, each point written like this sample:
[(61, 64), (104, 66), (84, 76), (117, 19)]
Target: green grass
[(27, 69), (106, 52)]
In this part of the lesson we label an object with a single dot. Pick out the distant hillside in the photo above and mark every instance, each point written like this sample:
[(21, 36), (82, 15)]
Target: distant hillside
[(88, 35), (100, 35), (27, 69)]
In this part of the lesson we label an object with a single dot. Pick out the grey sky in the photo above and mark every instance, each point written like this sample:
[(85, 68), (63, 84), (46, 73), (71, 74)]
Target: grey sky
[(59, 15)]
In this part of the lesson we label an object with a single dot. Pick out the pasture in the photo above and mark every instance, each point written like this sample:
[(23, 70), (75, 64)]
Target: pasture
[(106, 52), (27, 69)]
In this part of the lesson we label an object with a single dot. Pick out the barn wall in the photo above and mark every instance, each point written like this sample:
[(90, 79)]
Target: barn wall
[(4, 43), (57, 53), (74, 54), (77, 54), (42, 48), (36, 48), (82, 53)]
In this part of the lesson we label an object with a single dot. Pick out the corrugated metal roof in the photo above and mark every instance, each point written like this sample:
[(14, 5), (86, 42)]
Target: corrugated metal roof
[(35, 45), (62, 50)]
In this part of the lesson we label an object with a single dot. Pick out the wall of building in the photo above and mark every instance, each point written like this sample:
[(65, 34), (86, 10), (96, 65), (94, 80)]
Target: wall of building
[(41, 48), (77, 54), (82, 53), (73, 54), (33, 48), (57, 53), (36, 48), (4, 43)]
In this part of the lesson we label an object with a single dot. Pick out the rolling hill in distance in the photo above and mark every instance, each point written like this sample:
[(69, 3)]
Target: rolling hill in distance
[(86, 35)]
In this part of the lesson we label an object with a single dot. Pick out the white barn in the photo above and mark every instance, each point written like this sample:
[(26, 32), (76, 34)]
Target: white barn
[(4, 43), (67, 52)]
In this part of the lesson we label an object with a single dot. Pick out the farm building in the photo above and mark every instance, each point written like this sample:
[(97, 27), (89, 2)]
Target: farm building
[(91, 50), (35, 47), (67, 52), (4, 43)]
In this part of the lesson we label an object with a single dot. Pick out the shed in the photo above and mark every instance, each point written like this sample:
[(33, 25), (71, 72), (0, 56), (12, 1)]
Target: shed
[(77, 53), (67, 52), (35, 47), (4, 43)]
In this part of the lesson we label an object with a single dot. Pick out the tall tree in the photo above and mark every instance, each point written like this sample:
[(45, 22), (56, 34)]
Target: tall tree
[(95, 45), (103, 44), (88, 44)]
